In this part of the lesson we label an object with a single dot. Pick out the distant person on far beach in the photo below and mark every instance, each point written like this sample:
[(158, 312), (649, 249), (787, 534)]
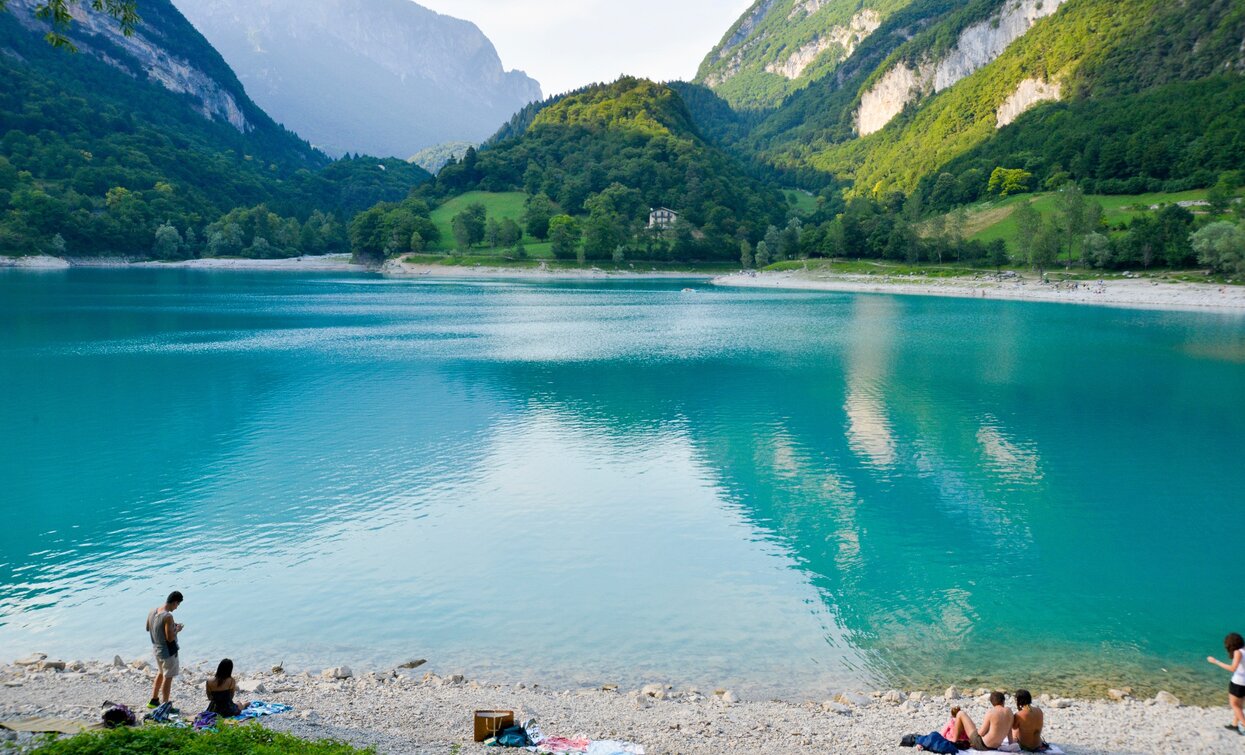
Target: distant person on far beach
[(221, 689), (164, 631), (1028, 723), (1235, 646)]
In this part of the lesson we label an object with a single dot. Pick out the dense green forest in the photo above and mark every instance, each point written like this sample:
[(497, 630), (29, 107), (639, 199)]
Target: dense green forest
[(95, 158), (607, 154)]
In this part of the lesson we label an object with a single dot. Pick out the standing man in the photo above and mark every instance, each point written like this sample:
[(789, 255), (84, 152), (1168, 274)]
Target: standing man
[(164, 631)]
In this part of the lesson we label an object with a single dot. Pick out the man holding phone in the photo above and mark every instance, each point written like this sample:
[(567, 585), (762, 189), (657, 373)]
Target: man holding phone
[(164, 631)]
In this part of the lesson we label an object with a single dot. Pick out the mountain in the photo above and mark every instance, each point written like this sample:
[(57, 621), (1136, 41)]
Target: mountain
[(100, 148), (1122, 96), (631, 145), (384, 77), (779, 46)]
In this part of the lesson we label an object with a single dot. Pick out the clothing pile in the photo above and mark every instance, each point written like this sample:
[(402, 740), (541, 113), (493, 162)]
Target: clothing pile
[(529, 737)]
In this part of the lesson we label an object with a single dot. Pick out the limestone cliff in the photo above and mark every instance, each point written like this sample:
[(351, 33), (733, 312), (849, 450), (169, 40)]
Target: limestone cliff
[(977, 46), (779, 46), (385, 77), (157, 52)]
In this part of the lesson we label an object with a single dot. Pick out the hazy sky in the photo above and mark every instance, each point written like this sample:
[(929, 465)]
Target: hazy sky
[(567, 43)]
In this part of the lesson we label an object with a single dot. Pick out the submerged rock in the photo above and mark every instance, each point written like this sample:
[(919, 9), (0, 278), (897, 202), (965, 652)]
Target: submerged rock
[(1166, 698)]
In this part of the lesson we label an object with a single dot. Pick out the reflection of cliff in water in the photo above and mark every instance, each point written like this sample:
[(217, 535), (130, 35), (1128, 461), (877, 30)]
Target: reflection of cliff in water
[(909, 475)]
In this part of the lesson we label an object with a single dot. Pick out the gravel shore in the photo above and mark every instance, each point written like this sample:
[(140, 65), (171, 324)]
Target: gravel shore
[(1135, 293), (414, 711)]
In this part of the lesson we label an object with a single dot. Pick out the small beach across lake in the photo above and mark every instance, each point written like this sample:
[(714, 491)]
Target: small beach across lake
[(1137, 293)]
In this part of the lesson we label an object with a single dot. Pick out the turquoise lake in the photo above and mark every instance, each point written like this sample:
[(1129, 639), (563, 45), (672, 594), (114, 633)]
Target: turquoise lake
[(585, 482)]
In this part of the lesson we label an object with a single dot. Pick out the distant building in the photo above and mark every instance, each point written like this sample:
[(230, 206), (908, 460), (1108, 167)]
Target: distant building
[(662, 218)]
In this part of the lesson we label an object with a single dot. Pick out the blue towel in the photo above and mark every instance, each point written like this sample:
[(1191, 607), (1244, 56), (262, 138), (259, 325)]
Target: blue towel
[(259, 708)]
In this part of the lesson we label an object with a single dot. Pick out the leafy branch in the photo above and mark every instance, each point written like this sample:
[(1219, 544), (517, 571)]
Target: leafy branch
[(58, 13)]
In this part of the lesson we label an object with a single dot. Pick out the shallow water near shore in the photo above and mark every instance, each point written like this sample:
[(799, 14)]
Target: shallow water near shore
[(786, 493)]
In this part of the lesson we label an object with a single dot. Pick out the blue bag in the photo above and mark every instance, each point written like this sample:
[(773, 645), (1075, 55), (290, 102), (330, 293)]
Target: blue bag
[(935, 742)]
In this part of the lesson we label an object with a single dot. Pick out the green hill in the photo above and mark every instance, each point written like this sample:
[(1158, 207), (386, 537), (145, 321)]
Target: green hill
[(618, 150)]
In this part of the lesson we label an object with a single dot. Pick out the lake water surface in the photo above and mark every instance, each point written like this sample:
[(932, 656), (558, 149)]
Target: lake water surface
[(785, 493)]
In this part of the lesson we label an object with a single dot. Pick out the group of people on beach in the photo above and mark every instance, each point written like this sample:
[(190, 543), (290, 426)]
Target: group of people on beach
[(1023, 726), (164, 631)]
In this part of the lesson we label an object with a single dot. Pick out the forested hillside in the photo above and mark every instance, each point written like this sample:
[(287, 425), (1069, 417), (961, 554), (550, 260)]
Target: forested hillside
[(607, 154), (102, 148), (1124, 96)]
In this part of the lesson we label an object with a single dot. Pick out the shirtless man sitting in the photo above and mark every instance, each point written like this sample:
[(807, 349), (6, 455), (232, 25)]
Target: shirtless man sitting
[(1027, 724), (994, 728)]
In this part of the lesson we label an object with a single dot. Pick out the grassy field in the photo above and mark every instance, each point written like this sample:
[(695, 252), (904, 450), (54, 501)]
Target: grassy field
[(805, 203), (500, 205), (992, 220), (162, 740)]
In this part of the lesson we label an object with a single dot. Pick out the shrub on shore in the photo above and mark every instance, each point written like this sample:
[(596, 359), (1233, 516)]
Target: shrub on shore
[(155, 740)]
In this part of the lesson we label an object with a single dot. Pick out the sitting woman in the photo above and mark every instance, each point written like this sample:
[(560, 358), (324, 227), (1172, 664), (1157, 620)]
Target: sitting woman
[(220, 691)]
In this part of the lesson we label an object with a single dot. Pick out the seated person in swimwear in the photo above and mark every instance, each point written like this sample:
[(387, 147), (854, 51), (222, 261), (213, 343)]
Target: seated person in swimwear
[(1027, 725), (994, 727), (221, 689)]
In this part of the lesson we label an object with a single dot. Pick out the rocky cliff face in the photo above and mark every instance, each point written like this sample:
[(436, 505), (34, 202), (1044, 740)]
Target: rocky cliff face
[(977, 46), (779, 46), (384, 77), (152, 54)]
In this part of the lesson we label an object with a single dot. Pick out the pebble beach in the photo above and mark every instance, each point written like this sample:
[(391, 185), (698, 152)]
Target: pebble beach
[(412, 710)]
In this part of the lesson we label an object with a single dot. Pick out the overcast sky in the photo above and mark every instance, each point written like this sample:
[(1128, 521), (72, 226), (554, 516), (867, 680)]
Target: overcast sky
[(564, 44)]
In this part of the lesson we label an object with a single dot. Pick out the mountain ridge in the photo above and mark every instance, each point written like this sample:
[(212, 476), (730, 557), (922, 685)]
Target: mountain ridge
[(392, 78)]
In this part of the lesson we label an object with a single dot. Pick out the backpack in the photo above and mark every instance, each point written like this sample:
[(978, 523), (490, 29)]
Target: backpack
[(118, 715)]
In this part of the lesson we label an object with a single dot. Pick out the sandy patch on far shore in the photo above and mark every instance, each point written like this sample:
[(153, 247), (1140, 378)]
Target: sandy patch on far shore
[(1137, 293)]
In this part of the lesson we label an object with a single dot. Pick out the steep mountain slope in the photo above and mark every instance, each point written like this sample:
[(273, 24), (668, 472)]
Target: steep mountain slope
[(385, 77), (101, 147), (779, 46), (945, 84), (962, 94)]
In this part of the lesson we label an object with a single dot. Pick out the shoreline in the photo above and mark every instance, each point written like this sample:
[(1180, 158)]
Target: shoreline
[(415, 711), (398, 268), (1130, 293)]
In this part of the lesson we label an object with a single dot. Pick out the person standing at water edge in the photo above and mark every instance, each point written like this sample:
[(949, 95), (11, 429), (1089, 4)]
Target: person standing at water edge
[(1235, 645), (1028, 723), (164, 631)]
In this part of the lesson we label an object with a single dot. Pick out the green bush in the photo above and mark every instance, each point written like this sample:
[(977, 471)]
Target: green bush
[(252, 739)]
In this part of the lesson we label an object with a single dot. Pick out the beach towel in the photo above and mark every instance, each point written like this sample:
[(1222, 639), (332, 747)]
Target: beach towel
[(206, 721), (610, 747), (563, 745), (259, 708), (1011, 749), (45, 725)]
